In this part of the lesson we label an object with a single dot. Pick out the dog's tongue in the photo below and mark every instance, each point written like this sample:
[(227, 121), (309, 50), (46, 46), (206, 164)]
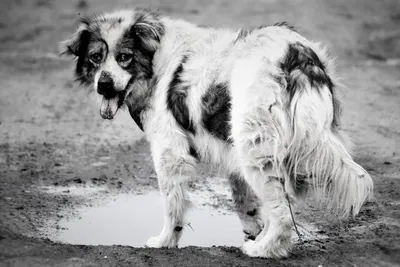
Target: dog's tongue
[(108, 108)]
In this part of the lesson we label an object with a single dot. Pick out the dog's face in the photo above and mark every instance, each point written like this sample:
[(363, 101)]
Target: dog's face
[(113, 52)]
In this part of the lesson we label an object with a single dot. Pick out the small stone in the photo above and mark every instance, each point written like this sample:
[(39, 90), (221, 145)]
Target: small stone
[(78, 180)]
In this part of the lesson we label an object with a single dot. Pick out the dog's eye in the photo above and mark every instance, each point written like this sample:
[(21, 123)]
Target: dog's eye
[(95, 58), (124, 57)]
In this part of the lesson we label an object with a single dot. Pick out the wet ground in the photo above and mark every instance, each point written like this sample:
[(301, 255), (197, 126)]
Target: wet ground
[(130, 219), (67, 176)]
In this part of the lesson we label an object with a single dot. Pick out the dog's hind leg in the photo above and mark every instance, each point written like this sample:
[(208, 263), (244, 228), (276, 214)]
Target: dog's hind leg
[(173, 172), (247, 206), (274, 241), (257, 159), (257, 121)]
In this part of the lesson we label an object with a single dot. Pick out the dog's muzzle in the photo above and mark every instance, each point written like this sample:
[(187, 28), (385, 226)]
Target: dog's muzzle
[(110, 102), (105, 86)]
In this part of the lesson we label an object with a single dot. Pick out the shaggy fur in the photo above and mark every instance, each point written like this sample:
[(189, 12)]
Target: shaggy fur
[(259, 103)]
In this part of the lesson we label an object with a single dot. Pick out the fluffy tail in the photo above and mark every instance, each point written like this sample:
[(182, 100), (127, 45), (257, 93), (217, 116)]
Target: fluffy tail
[(316, 151)]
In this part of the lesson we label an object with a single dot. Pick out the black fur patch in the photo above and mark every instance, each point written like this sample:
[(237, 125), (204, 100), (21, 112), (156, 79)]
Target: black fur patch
[(85, 70), (193, 152), (285, 25), (279, 24), (141, 67), (304, 59), (300, 57), (135, 112), (243, 196), (251, 237), (242, 34), (142, 64), (176, 99), (178, 228), (136, 117), (137, 101), (216, 111), (252, 212)]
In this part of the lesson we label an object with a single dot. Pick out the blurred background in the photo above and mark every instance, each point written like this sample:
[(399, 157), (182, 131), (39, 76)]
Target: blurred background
[(53, 141)]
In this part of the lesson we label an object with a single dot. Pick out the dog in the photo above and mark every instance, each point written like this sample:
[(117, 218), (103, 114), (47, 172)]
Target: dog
[(262, 104)]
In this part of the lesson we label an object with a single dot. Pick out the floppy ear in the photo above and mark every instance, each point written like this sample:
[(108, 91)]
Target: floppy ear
[(76, 44), (148, 31)]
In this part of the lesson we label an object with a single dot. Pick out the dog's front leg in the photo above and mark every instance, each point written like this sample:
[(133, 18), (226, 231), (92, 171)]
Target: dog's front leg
[(175, 205), (173, 172)]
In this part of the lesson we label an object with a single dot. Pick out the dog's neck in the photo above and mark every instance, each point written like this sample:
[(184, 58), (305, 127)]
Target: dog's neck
[(179, 35), (139, 99), (178, 40)]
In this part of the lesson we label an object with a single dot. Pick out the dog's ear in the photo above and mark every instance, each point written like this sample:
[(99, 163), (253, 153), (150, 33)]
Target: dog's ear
[(148, 31), (75, 45)]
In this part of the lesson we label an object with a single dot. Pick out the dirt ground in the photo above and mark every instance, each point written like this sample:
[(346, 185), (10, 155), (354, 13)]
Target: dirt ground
[(51, 133)]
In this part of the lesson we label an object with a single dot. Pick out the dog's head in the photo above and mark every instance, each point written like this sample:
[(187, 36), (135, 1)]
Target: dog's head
[(113, 52)]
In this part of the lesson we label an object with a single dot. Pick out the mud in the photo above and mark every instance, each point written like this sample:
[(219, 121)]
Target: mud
[(60, 161)]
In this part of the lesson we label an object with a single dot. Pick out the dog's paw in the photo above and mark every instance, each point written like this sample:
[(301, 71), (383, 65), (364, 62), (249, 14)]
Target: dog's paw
[(160, 241), (252, 249), (258, 249)]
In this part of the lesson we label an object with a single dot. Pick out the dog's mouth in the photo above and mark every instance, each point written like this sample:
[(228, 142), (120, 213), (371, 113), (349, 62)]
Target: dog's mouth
[(111, 104)]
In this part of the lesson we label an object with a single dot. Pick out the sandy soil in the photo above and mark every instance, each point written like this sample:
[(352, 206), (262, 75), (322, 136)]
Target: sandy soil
[(52, 135)]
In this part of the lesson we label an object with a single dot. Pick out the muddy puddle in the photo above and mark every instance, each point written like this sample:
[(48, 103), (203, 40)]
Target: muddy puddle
[(130, 219)]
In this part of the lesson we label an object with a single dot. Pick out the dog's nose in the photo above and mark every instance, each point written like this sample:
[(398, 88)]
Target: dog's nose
[(105, 85)]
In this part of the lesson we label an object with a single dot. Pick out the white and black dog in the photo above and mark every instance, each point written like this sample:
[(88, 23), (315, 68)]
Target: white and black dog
[(259, 103)]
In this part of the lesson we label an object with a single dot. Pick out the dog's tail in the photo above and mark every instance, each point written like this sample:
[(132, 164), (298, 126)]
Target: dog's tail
[(316, 151)]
